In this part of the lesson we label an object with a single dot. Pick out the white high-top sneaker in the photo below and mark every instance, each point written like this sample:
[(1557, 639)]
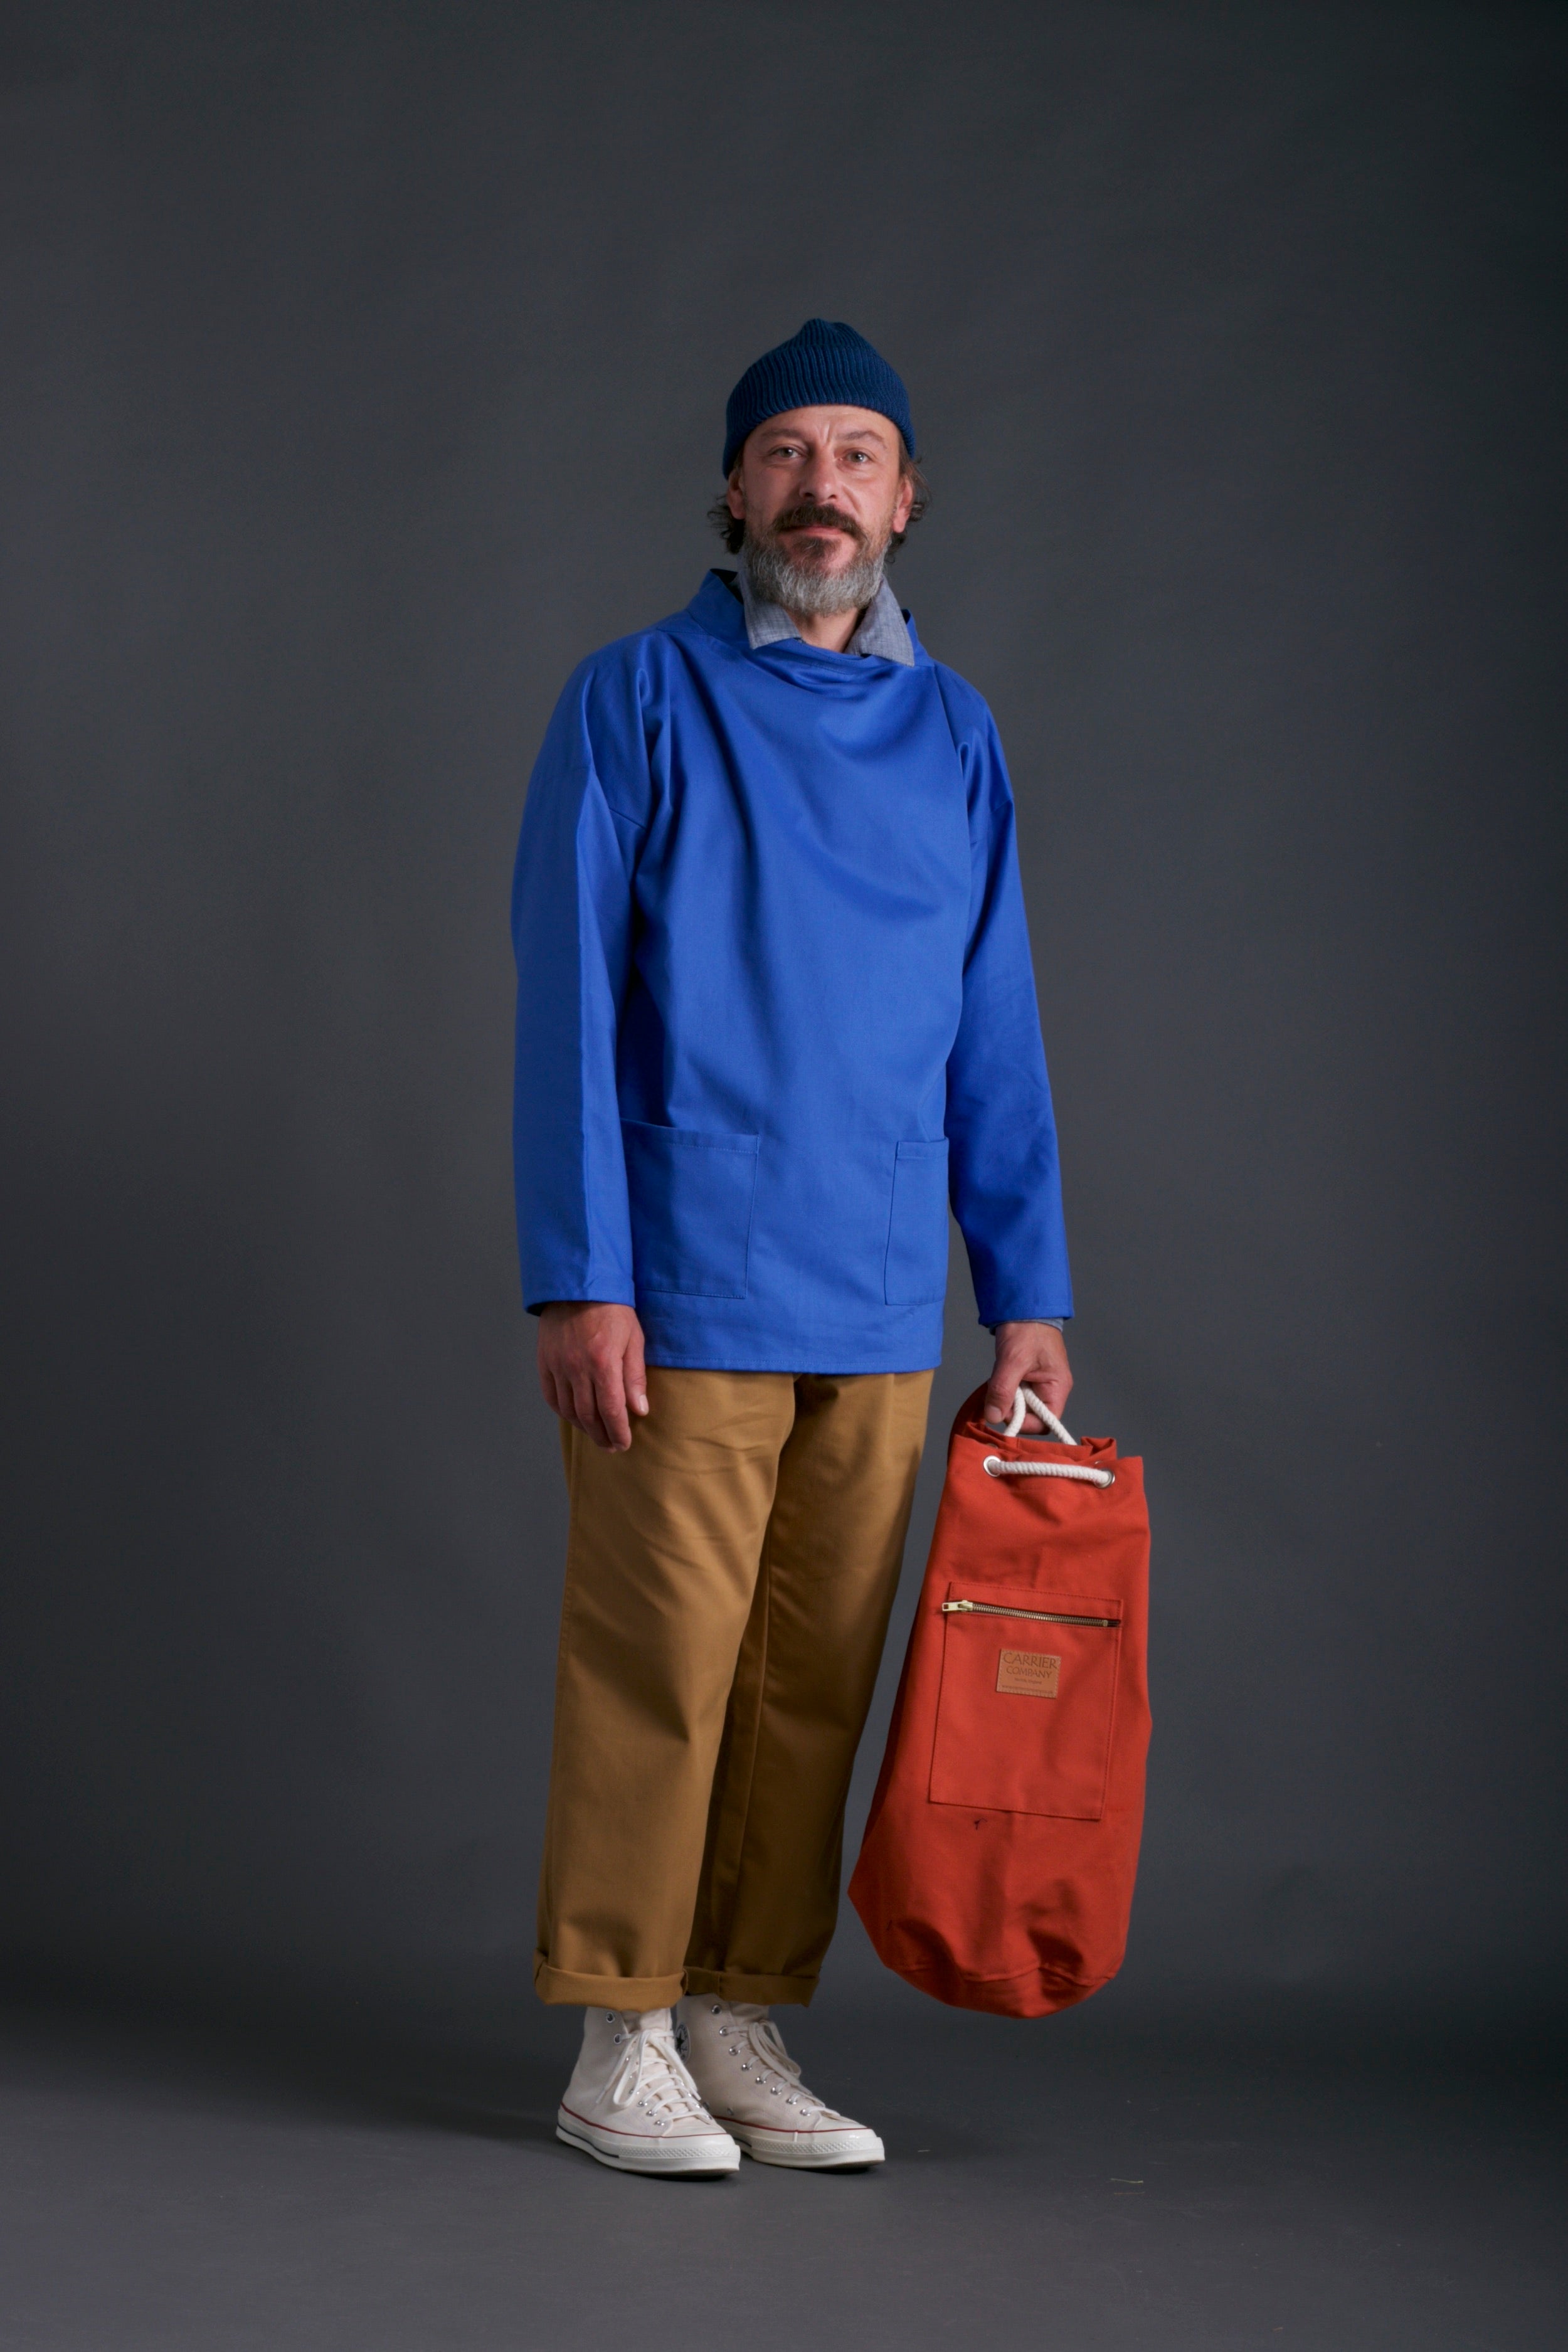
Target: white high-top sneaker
[(632, 2104), (737, 2061)]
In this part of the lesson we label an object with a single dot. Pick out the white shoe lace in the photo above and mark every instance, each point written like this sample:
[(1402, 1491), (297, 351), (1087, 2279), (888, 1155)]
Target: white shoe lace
[(770, 2065), (651, 2076)]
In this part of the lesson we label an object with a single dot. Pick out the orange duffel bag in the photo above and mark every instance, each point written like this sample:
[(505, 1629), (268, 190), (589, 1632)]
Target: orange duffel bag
[(997, 1867)]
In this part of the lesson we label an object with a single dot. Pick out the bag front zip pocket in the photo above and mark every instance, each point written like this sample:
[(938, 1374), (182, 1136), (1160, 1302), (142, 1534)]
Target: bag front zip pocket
[(1041, 1616), (1027, 1730)]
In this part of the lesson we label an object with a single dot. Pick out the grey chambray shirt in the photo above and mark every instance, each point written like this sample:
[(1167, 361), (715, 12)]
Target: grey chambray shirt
[(881, 631)]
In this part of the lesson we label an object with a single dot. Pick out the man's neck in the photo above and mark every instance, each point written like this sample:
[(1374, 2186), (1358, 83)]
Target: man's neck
[(831, 631)]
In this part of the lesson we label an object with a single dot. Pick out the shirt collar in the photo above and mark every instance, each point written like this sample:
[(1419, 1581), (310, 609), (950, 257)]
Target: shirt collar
[(880, 633)]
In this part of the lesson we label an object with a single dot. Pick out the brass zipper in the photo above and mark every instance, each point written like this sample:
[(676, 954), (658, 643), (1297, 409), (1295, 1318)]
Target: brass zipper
[(1044, 1616)]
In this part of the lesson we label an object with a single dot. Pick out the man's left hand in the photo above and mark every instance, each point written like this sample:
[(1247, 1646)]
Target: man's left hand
[(1028, 1355)]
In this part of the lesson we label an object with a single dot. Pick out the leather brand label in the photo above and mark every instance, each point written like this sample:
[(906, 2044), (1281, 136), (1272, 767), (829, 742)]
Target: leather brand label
[(1031, 1673)]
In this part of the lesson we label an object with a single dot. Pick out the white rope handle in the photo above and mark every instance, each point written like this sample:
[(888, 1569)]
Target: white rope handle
[(1027, 1401), (995, 1467)]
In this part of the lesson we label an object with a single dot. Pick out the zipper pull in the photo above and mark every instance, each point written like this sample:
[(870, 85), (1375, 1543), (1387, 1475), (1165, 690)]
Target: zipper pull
[(954, 1608)]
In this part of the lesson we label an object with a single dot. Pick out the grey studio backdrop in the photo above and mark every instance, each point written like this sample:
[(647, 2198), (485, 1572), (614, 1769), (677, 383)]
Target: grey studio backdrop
[(362, 369)]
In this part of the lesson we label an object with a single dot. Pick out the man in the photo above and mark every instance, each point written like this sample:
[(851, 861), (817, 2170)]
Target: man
[(777, 1010)]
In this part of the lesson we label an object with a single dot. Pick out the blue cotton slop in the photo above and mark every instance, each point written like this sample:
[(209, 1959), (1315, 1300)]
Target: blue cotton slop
[(776, 1008)]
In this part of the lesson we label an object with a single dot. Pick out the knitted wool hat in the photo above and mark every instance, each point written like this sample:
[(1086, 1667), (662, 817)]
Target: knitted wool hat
[(826, 364)]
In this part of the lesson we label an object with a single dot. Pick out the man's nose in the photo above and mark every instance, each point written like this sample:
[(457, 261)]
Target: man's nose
[(820, 483)]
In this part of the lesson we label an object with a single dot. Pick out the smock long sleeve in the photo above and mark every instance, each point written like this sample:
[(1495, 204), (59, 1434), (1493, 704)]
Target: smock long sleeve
[(572, 928), (1004, 1175)]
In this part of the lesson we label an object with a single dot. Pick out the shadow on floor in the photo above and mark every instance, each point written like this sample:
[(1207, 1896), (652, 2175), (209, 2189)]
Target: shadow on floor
[(175, 2181)]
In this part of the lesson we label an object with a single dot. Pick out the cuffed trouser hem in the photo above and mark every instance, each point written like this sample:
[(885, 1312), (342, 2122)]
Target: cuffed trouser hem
[(608, 1992), (569, 1988), (733, 1984)]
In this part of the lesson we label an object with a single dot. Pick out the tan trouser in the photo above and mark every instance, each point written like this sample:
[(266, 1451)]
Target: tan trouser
[(728, 1586)]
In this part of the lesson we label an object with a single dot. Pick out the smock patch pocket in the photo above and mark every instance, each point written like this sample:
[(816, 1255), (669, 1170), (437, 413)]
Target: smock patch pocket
[(691, 1200), (916, 1272)]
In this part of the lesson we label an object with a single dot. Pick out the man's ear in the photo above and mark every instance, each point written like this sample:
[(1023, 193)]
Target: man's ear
[(903, 502), (734, 496)]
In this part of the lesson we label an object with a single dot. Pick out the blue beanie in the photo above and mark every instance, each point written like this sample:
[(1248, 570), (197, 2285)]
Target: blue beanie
[(827, 364)]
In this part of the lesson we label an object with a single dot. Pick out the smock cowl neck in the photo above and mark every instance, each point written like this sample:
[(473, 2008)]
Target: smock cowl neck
[(716, 611)]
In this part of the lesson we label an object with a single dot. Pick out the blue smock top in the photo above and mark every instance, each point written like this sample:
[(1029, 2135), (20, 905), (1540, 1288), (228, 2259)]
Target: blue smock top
[(775, 1005)]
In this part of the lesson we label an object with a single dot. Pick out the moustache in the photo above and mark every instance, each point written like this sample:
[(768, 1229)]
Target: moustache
[(801, 517)]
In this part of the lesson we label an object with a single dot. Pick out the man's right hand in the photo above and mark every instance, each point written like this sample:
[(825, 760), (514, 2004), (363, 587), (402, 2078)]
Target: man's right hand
[(590, 1369)]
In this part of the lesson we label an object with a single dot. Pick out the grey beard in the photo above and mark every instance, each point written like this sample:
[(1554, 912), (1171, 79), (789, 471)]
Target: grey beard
[(802, 588)]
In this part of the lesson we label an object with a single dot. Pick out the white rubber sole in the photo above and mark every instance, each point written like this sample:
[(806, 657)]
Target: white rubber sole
[(838, 2152), (651, 2158)]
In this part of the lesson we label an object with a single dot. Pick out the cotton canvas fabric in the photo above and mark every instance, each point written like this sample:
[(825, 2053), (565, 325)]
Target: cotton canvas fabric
[(997, 1867), (777, 1006), (728, 1586)]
